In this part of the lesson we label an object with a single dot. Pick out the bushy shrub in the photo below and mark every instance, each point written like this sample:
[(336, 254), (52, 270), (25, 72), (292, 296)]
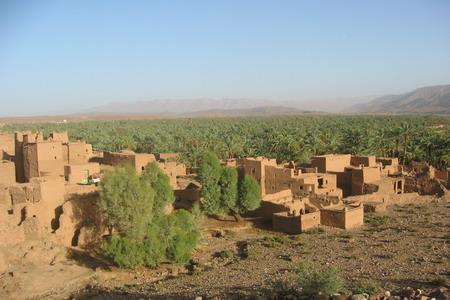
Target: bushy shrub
[(365, 286), (170, 238), (184, 236), (155, 243), (125, 252), (314, 279)]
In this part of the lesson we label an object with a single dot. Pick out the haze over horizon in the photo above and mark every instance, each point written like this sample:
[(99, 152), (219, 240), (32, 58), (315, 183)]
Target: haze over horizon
[(65, 57)]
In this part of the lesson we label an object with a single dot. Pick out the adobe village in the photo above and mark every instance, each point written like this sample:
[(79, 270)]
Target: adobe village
[(52, 226)]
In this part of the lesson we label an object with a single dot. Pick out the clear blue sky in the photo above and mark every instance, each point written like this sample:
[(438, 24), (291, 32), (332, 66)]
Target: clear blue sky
[(65, 56)]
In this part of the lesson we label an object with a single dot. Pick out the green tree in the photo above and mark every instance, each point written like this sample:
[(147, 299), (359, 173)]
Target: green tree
[(127, 202), (160, 183), (134, 206), (184, 236), (228, 189), (209, 174), (249, 195)]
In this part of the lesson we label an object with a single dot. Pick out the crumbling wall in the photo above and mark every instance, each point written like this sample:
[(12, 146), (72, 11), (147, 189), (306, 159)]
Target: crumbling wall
[(136, 160), (79, 173), (277, 179), (62, 137), (50, 159), (173, 170), (342, 217), (331, 162), (7, 146), (420, 167), (118, 159), (7, 172), (323, 201), (256, 167), (361, 176), (142, 159), (389, 165), (51, 193), (17, 224), (344, 182), (80, 222), (294, 224), (444, 177), (366, 161), (30, 162), (424, 185), (78, 153), (165, 157), (18, 157), (279, 202)]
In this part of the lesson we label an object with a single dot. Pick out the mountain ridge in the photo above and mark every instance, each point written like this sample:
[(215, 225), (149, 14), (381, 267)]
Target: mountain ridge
[(424, 100)]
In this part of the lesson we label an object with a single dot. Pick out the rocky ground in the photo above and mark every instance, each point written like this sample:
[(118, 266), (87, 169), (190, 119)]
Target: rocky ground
[(408, 246)]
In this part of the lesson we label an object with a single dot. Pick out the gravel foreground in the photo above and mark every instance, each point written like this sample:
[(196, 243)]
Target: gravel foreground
[(405, 251)]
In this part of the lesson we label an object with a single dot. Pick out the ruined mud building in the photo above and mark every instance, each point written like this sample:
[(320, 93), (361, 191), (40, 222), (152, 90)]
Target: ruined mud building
[(42, 187), (37, 176), (167, 162)]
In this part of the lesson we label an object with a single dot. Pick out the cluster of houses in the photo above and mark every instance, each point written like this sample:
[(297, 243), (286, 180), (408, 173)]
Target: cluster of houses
[(332, 190), (45, 191)]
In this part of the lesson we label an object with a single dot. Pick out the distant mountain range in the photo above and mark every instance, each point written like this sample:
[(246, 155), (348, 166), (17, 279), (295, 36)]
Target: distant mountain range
[(256, 111), (426, 100), (179, 107), (200, 108)]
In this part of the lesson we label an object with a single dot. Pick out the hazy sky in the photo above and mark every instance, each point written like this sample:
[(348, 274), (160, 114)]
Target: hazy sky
[(65, 56)]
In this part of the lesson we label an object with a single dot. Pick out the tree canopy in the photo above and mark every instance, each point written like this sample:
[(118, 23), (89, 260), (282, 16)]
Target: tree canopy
[(288, 138), (135, 207), (223, 191), (127, 202)]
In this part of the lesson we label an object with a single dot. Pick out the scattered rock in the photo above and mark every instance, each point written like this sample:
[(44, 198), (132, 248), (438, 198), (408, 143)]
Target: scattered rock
[(320, 296), (359, 297), (217, 233), (338, 297)]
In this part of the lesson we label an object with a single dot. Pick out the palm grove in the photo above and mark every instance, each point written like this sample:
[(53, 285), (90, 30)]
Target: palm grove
[(294, 138), (144, 232)]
